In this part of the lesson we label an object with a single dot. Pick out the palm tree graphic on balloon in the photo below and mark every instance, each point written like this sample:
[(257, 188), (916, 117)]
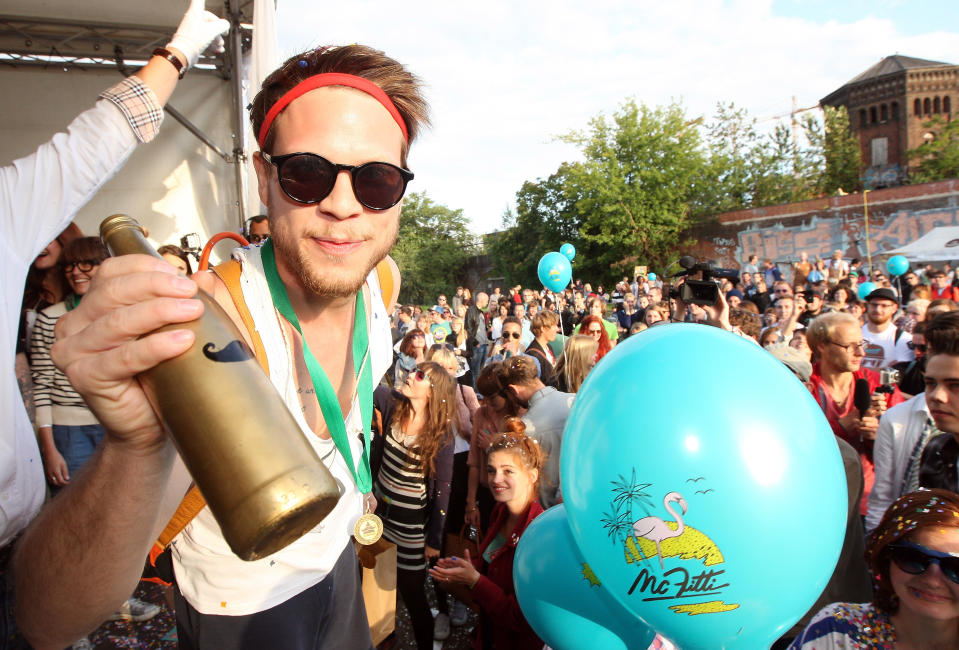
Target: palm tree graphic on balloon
[(650, 536)]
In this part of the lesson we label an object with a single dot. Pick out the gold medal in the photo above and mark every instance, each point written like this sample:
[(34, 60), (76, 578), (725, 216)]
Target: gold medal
[(368, 529)]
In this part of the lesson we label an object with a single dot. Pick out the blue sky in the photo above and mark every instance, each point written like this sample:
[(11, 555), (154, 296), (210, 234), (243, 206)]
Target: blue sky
[(505, 77)]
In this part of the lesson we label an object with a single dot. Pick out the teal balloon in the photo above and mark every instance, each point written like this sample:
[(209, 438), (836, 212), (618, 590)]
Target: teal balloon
[(568, 251), (554, 271), (897, 265), (652, 277), (717, 525), (866, 288), (560, 597)]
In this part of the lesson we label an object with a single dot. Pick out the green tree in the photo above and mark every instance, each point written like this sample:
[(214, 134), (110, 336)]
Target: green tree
[(544, 220), (938, 158), (432, 249), (832, 160), (634, 187)]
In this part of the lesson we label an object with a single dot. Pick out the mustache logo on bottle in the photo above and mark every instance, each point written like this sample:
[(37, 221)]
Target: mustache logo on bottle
[(234, 351)]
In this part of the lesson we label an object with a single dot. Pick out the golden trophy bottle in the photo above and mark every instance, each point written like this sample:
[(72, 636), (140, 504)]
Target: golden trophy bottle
[(263, 481)]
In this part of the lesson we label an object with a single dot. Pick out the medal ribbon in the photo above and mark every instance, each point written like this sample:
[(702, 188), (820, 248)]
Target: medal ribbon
[(325, 395)]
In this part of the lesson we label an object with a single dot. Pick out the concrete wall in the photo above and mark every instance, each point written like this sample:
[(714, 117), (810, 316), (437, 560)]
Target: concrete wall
[(897, 216)]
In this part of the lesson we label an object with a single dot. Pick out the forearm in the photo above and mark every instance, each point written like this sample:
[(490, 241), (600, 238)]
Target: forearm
[(161, 76), (91, 540)]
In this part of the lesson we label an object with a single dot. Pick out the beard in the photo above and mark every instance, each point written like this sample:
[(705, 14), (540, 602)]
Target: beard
[(337, 277)]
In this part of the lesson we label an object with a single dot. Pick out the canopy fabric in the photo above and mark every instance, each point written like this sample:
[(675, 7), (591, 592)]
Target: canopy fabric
[(938, 245)]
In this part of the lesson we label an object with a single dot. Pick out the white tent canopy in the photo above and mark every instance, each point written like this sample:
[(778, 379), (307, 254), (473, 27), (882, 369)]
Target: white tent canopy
[(938, 245), (57, 55)]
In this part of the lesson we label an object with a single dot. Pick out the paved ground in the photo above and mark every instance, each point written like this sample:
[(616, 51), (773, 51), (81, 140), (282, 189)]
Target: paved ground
[(160, 632)]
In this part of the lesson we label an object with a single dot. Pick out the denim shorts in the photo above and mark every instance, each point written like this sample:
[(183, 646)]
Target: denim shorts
[(76, 443)]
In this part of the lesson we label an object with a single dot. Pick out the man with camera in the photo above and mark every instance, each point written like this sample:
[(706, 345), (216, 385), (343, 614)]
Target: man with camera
[(334, 127)]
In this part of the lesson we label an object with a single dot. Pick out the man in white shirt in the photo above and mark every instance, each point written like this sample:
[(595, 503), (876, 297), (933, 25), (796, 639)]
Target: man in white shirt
[(334, 127), (885, 343)]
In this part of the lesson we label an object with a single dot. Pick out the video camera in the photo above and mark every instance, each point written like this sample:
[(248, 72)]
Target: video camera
[(700, 292)]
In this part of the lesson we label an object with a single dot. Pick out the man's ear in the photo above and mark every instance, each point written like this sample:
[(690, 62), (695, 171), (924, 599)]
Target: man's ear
[(262, 177)]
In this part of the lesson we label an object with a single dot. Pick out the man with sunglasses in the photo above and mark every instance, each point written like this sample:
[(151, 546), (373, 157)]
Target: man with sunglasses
[(334, 127), (258, 229)]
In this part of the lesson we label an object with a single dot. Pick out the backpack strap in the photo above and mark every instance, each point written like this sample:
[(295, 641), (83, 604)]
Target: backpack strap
[(898, 334), (388, 276)]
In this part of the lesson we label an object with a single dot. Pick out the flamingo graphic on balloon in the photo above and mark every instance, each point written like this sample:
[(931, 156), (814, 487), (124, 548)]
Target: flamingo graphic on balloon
[(656, 530)]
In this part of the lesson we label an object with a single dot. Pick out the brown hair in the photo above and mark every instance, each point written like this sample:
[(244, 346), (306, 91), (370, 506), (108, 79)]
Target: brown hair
[(84, 249), (400, 85), (406, 345), (542, 320), (515, 442), (910, 512), (50, 285), (440, 410), (942, 334), (520, 370), (176, 251)]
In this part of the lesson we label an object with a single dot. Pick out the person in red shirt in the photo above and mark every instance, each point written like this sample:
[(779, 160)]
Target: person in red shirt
[(514, 462), (941, 288), (837, 344)]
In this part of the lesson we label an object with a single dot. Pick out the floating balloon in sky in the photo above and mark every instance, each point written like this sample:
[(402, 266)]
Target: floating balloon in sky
[(554, 271), (568, 250)]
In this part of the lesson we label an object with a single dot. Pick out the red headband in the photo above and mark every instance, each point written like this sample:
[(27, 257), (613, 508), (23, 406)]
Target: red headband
[(331, 79)]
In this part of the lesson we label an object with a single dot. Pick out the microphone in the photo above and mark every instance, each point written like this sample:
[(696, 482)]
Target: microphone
[(862, 398)]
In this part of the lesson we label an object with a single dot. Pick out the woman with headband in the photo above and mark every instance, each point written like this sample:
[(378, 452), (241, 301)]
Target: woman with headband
[(913, 556), (513, 465)]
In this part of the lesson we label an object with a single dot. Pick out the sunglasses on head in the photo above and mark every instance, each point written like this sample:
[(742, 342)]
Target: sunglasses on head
[(915, 559), (309, 178), (83, 265)]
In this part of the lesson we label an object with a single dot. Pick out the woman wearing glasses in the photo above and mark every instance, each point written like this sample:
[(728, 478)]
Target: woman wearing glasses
[(593, 326), (412, 466), (513, 466), (913, 556), (66, 429)]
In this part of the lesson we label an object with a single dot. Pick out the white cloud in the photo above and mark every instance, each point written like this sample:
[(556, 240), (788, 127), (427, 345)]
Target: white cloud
[(503, 77)]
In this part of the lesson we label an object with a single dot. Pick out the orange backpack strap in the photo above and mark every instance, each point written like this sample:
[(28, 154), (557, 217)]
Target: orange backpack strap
[(388, 275), (193, 502)]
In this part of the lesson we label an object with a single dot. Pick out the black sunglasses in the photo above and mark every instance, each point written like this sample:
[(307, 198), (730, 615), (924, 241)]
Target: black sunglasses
[(916, 346), (83, 265), (256, 239), (515, 335), (309, 178), (915, 559)]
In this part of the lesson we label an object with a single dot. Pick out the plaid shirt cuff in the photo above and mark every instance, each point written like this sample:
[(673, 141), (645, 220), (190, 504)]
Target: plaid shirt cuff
[(139, 105)]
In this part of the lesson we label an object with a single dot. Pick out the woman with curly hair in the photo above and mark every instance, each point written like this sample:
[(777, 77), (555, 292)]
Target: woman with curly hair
[(412, 466), (913, 556)]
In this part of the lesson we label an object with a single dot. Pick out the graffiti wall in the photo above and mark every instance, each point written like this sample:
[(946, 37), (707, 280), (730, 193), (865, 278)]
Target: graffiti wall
[(839, 225)]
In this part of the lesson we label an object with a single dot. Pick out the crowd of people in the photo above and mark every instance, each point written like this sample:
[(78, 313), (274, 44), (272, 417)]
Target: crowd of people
[(471, 399)]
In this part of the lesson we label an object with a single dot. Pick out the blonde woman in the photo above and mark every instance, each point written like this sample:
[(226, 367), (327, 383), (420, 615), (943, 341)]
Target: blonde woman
[(578, 358)]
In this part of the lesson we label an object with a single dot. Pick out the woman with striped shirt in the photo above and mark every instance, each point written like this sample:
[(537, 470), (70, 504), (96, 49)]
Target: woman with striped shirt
[(413, 465)]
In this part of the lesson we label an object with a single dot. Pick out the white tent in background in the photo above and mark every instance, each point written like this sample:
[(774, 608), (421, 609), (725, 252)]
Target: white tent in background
[(938, 245)]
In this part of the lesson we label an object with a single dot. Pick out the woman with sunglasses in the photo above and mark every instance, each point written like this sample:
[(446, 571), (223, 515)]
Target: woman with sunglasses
[(578, 358), (513, 466), (593, 326), (412, 465), (913, 556), (412, 351), (66, 429)]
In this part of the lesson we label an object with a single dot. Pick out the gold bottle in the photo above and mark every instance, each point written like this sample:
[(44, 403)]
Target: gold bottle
[(263, 481)]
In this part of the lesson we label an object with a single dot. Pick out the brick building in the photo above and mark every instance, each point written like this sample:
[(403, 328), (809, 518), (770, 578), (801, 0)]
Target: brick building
[(888, 105)]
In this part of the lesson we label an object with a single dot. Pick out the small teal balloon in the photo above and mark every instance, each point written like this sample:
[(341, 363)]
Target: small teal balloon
[(554, 271), (652, 277), (687, 516), (866, 288), (897, 265), (568, 251), (562, 599)]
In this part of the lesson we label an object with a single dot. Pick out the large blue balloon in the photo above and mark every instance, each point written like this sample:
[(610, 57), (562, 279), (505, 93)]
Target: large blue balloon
[(554, 271), (568, 251), (718, 525), (897, 265), (560, 596), (866, 288)]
